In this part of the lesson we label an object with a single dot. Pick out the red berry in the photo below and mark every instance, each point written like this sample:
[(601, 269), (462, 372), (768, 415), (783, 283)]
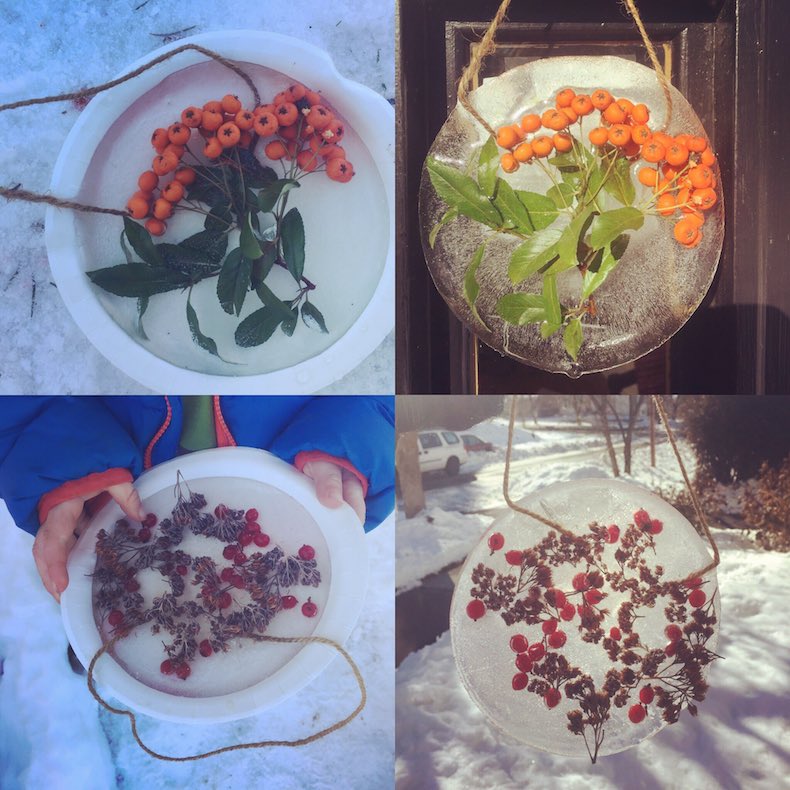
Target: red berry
[(251, 515), (496, 541), (580, 582), (240, 558), (558, 639), (288, 601), (552, 698), (568, 611), (612, 534), (115, 617), (306, 552), (237, 582), (205, 648), (671, 649), (646, 694), (593, 597), (132, 586), (519, 681), (229, 552), (549, 626), (615, 633), (309, 609), (220, 511), (476, 609), (536, 651), (641, 518), (695, 582), (673, 632), (559, 597), (524, 662), (636, 713), (181, 570), (183, 671), (224, 601), (166, 667), (697, 598), (519, 643), (261, 539), (514, 557), (655, 527), (253, 527), (144, 535), (245, 539), (150, 520), (227, 574)]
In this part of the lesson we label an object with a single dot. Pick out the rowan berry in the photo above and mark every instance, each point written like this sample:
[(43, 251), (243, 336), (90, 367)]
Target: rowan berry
[(695, 582), (641, 134), (570, 114), (529, 123), (620, 135), (162, 209), (542, 146), (568, 612), (245, 539), (701, 176), (191, 117), (334, 132), (211, 120), (552, 698), (307, 160), (646, 694), (673, 632), (613, 531), (138, 207), (677, 154), (312, 97), (562, 142), (580, 582), (288, 132), (582, 105), (287, 114), (614, 113), (555, 120), (508, 163), (213, 148), (696, 217), (524, 662), (261, 539), (340, 170), (306, 552), (615, 633), (155, 226), (558, 639), (686, 232), (626, 105), (565, 97), (514, 557), (641, 518), (707, 158), (549, 626), (229, 552), (559, 597), (319, 117), (704, 198), (281, 98), (636, 713), (296, 92), (475, 609), (115, 617), (640, 114), (159, 140), (519, 681), (593, 597), (178, 134), (507, 137), (519, 643), (275, 150), (536, 651), (663, 138), (266, 124), (601, 98), (177, 151), (230, 104), (671, 649), (684, 198), (185, 176), (599, 136), (148, 181), (173, 192), (288, 601), (224, 600), (167, 667), (213, 106), (655, 527), (228, 134), (205, 648), (496, 541), (183, 671), (697, 598)]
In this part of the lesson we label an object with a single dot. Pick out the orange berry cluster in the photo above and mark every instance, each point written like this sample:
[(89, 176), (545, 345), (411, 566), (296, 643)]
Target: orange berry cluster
[(302, 128)]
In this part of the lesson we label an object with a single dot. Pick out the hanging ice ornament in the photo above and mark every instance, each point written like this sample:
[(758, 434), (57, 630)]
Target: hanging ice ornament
[(591, 642)]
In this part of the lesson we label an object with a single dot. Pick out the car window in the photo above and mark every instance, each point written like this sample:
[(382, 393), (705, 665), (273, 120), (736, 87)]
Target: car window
[(429, 440), (450, 438)]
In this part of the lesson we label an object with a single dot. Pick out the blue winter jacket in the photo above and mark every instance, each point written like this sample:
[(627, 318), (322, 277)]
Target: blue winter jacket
[(48, 441)]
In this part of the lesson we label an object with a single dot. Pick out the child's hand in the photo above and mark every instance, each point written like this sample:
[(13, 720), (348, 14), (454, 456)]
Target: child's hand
[(334, 485), (58, 534)]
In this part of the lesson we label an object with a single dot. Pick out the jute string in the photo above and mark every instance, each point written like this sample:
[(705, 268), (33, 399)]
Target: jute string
[(15, 193), (487, 45), (235, 747), (555, 525)]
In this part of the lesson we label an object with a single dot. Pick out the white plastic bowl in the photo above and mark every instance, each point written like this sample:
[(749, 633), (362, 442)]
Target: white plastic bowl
[(349, 227), (259, 674)]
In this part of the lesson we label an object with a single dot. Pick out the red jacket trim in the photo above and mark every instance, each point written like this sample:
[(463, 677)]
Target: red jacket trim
[(147, 463), (90, 484), (316, 455), (224, 436)]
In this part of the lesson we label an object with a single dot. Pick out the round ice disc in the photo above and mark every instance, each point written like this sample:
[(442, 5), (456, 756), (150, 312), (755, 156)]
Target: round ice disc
[(247, 676), (657, 284), (586, 643)]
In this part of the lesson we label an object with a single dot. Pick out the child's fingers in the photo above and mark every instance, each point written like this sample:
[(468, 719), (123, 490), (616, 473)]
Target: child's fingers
[(352, 493), (125, 494), (53, 543), (328, 482)]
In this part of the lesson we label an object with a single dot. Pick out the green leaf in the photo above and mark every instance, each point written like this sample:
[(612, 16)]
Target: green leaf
[(219, 218), (142, 306), (248, 243), (547, 329), (208, 246), (289, 326), (141, 242), (234, 281), (572, 338), (448, 216), (268, 197), (608, 226), (471, 286), (620, 245), (205, 342), (271, 300), (488, 166), (533, 254), (582, 151), (462, 192), (564, 163), (521, 308), (541, 209), (619, 184), (551, 300), (568, 244), (593, 279), (561, 195), (511, 208), (255, 174), (292, 240), (594, 181), (313, 318), (138, 280), (259, 326)]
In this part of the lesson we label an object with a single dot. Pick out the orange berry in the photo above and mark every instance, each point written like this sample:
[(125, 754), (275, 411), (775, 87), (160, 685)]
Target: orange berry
[(191, 117), (307, 160), (666, 204), (296, 92), (178, 134), (695, 243), (697, 217), (670, 172), (176, 150), (244, 119), (138, 207), (341, 170), (565, 97), (599, 136), (582, 105), (641, 134), (159, 140), (686, 231), (185, 176), (601, 98), (562, 142), (620, 134), (164, 163), (697, 144), (554, 119), (162, 209), (707, 158), (286, 113), (631, 149), (653, 151), (530, 123), (289, 132), (614, 113), (312, 97), (701, 176), (334, 132), (542, 146), (683, 139), (213, 148), (148, 181), (663, 138), (677, 154), (262, 108), (523, 152), (281, 98), (213, 106), (230, 104), (319, 117), (228, 134), (173, 192), (332, 152), (625, 105), (146, 196), (704, 198), (640, 114), (648, 176), (266, 124), (507, 137), (155, 226), (275, 150), (211, 120), (570, 114), (508, 162)]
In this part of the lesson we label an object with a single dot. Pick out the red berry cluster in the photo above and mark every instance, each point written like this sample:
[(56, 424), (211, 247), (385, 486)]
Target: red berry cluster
[(637, 713), (651, 525)]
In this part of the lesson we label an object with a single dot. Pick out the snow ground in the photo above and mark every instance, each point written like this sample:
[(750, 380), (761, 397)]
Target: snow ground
[(53, 735), (740, 739), (50, 48)]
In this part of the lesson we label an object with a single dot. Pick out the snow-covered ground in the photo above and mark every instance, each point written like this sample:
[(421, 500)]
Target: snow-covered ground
[(51, 48), (53, 734), (740, 739)]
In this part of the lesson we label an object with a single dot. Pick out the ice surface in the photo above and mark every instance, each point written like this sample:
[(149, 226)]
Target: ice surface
[(657, 285)]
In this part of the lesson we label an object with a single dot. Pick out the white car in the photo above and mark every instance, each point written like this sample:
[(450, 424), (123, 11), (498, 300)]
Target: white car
[(441, 450)]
